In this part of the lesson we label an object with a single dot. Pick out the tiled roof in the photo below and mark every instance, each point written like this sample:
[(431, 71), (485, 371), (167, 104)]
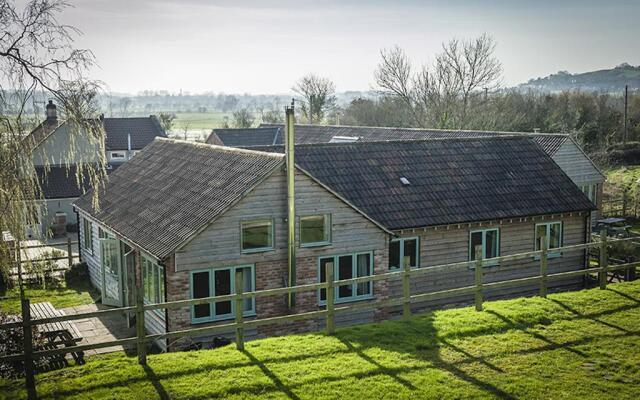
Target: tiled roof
[(244, 137), (169, 191), (307, 134), (142, 129), (60, 182), (450, 181)]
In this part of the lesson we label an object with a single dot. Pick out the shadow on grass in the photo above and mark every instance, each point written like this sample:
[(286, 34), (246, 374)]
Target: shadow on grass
[(276, 381), (155, 381)]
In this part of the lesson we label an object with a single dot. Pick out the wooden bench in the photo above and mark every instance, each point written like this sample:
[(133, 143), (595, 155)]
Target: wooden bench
[(57, 333)]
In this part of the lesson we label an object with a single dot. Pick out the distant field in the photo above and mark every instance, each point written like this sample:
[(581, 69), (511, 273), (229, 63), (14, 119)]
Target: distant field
[(195, 120)]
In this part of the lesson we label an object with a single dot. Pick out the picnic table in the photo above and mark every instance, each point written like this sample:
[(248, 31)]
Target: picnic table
[(57, 333)]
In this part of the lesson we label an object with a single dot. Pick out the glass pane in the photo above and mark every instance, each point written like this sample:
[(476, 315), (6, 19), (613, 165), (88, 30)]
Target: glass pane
[(222, 282), (363, 268), (491, 244), (256, 235), (345, 271), (555, 235), (160, 285), (541, 230), (247, 286), (476, 240), (411, 251), (201, 289), (323, 275), (154, 283), (394, 254), (312, 229)]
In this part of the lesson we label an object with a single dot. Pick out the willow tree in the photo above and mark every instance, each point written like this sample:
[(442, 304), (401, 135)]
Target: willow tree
[(38, 61)]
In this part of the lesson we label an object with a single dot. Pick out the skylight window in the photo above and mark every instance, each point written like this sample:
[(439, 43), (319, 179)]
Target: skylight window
[(344, 139), (405, 181)]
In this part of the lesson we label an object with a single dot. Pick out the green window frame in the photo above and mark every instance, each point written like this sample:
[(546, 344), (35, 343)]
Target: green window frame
[(347, 266), (307, 238), (554, 232), (221, 281), (489, 239), (87, 233), (247, 237), (589, 191), (153, 282), (404, 250)]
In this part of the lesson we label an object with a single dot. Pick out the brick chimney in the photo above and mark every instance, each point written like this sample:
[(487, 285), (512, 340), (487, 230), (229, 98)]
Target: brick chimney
[(52, 114)]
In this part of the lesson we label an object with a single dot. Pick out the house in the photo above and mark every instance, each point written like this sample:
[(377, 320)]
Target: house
[(562, 148), (362, 206), (56, 156)]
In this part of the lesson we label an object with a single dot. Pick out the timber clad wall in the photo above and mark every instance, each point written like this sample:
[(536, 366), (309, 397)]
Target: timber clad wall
[(445, 246), (219, 246)]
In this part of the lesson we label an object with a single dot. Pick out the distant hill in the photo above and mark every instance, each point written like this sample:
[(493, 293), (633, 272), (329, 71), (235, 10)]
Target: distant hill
[(604, 80)]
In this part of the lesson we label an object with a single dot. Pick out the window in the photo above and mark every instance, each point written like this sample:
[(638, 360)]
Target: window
[(153, 284), (589, 191), (315, 230), (220, 282), (553, 233), (87, 235), (348, 266), (117, 155), (404, 249), (256, 235), (489, 239)]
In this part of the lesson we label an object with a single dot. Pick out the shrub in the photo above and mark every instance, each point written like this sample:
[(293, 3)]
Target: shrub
[(43, 268), (12, 342)]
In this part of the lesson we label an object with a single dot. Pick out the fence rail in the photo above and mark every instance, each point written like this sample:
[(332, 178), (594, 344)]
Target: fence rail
[(240, 323)]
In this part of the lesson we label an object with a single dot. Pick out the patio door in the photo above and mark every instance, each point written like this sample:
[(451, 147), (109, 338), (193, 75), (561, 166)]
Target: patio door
[(111, 272)]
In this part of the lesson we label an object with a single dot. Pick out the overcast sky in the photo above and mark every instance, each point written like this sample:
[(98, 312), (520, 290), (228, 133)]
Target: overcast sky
[(263, 46)]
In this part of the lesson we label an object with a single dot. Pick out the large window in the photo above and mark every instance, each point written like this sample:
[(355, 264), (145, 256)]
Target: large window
[(348, 266), (220, 282), (117, 155), (553, 233), (404, 249), (256, 235), (589, 191), (315, 230), (489, 239), (153, 282), (87, 235)]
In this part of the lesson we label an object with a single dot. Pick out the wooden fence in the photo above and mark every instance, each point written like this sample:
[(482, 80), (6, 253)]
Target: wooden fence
[(625, 205), (21, 256), (240, 324)]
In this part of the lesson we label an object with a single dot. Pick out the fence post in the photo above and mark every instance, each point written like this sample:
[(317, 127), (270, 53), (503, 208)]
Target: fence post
[(406, 288), (543, 266), (69, 253), (604, 259), (330, 298), (239, 310), (28, 349), (141, 345), (478, 276)]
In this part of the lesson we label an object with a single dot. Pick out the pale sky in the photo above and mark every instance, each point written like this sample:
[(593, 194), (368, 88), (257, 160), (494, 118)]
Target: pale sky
[(239, 46)]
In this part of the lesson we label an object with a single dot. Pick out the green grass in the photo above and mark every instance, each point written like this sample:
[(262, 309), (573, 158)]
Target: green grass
[(195, 120), (571, 345), (73, 292)]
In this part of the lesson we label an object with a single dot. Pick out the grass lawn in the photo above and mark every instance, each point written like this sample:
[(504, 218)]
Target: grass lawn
[(195, 120), (73, 292), (572, 345)]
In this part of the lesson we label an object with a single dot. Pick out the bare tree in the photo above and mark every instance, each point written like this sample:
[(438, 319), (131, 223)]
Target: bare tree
[(317, 96), (125, 103), (440, 95), (243, 118), (38, 60)]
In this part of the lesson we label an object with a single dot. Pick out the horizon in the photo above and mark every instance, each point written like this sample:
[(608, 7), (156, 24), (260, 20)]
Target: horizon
[(242, 46)]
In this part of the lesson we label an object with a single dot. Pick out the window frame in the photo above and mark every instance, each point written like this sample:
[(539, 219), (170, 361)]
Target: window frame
[(486, 262), (402, 240), (154, 280), (232, 279), (272, 233), (354, 274), (118, 158), (550, 252), (87, 246), (327, 227), (590, 191)]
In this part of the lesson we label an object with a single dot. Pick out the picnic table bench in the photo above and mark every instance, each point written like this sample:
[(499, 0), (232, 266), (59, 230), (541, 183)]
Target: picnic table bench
[(57, 333)]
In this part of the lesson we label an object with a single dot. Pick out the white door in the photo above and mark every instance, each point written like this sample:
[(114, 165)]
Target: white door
[(111, 272)]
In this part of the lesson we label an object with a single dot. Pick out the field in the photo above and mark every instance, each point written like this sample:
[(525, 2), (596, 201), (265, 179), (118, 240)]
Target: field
[(571, 345), (199, 121)]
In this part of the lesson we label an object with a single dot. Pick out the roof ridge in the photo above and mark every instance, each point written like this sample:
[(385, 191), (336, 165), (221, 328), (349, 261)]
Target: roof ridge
[(226, 149), (431, 129)]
